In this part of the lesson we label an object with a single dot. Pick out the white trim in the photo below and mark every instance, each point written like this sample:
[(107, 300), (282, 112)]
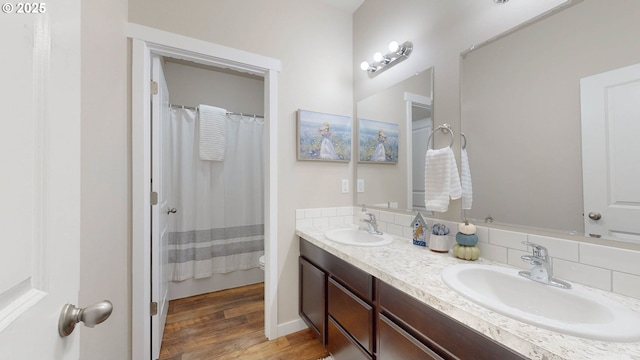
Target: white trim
[(271, 209), (291, 327), (141, 200), (186, 48), (411, 99), (147, 41)]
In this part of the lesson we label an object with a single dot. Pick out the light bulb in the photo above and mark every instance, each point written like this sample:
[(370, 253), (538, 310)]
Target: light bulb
[(394, 46), (364, 65), (377, 57)]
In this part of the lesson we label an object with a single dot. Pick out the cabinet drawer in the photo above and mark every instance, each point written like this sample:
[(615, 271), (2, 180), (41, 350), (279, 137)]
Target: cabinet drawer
[(341, 346), (359, 281), (395, 343), (437, 330), (353, 314)]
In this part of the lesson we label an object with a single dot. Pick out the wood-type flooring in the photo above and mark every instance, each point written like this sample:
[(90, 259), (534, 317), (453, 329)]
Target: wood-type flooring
[(229, 324)]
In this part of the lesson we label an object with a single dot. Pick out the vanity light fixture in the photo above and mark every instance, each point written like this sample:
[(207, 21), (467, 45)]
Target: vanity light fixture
[(397, 53), (501, 1)]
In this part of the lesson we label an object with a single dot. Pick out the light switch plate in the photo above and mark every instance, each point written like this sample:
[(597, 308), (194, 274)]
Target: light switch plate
[(360, 185), (345, 186)]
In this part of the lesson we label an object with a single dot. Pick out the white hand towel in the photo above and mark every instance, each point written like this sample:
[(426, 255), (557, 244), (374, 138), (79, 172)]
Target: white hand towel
[(465, 180), (441, 179), (213, 132)]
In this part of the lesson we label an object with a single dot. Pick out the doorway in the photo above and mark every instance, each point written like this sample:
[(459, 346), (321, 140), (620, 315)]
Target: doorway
[(419, 126), (147, 42)]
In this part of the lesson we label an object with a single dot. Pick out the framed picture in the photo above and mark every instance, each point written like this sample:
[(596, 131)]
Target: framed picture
[(378, 141), (324, 137)]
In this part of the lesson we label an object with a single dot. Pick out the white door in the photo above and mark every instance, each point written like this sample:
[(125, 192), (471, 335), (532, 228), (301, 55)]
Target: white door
[(40, 180), (610, 105), (161, 185)]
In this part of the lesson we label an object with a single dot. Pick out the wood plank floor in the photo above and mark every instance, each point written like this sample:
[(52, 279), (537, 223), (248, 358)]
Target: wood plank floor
[(229, 324)]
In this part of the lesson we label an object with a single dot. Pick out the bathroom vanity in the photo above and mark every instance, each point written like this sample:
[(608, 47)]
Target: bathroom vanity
[(390, 302), (361, 317)]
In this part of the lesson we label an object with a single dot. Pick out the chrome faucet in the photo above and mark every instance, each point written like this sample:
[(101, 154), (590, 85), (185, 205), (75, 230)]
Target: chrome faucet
[(541, 269), (372, 224)]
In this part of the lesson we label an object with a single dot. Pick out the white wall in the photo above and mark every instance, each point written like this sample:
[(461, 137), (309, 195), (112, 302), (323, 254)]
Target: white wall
[(389, 105), (314, 43), (105, 179), (440, 32)]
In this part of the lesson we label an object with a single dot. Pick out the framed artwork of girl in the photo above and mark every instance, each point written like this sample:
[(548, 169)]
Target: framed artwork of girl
[(323, 137)]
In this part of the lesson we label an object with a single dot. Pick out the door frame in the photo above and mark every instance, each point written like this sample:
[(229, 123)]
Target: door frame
[(412, 100), (145, 42)]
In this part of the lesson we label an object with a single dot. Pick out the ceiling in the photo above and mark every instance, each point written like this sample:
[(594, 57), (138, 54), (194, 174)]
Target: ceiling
[(346, 5)]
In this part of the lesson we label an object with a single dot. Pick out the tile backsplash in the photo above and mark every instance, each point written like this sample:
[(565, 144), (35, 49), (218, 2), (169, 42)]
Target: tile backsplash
[(607, 268)]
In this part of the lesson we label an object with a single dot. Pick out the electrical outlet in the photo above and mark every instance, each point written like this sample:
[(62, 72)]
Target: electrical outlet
[(345, 186), (360, 185)]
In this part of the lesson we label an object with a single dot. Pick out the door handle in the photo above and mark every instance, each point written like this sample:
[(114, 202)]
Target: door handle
[(595, 216), (91, 316), (172, 211)]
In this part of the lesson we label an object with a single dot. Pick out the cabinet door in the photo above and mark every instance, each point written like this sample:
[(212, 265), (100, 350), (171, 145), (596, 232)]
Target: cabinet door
[(396, 344), (313, 310)]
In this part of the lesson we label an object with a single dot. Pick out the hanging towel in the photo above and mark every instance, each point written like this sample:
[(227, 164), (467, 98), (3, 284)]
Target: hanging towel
[(441, 179), (465, 180), (212, 132)]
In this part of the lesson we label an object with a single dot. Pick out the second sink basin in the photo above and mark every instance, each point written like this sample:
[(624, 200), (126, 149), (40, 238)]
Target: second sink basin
[(575, 311), (357, 237)]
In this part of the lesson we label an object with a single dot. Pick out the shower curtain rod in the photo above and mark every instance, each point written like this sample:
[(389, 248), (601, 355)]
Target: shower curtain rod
[(228, 112)]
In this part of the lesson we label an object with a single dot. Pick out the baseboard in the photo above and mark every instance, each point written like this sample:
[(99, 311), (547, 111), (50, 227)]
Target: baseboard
[(217, 282), (291, 327)]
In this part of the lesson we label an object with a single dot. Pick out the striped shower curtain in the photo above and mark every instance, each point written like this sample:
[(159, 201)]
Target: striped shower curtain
[(219, 226)]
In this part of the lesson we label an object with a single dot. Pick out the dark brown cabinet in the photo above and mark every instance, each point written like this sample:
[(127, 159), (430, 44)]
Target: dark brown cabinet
[(395, 343), (313, 298), (365, 318), (349, 312), (354, 315), (445, 337)]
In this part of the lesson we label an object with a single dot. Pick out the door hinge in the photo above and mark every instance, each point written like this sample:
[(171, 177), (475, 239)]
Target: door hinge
[(153, 309), (154, 88), (154, 198)]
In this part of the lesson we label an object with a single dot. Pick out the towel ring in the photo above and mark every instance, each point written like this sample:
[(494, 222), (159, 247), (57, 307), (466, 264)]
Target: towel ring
[(464, 144), (444, 128)]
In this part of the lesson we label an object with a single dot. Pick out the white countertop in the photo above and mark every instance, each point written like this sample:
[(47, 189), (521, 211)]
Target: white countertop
[(416, 271)]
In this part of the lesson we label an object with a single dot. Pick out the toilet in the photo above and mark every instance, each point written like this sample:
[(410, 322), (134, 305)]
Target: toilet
[(261, 262)]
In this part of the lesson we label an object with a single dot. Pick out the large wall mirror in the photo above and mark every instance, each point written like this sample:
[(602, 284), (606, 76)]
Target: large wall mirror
[(521, 114), (406, 109)]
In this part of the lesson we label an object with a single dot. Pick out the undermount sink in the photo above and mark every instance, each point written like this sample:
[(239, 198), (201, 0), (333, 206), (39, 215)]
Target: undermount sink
[(357, 237), (576, 311)]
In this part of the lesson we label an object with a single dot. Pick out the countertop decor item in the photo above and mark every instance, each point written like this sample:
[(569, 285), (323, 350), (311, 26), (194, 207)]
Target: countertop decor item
[(420, 229), (466, 240), (439, 240)]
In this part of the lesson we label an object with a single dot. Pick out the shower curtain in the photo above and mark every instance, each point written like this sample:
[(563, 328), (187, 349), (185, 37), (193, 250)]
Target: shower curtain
[(219, 226)]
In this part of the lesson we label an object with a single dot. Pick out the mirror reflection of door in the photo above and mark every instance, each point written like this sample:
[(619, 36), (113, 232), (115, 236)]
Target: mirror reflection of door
[(611, 172), (419, 116)]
